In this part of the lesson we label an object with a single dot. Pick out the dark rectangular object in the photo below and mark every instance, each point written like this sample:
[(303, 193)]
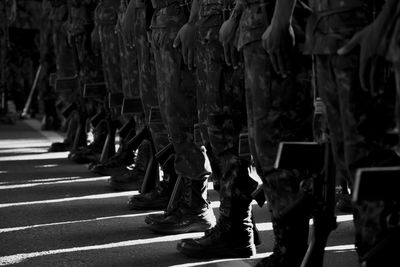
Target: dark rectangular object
[(66, 112), (67, 84), (301, 156), (95, 120), (198, 140), (155, 115), (164, 153), (244, 146), (132, 105), (94, 90), (135, 141), (52, 79), (115, 99), (377, 183)]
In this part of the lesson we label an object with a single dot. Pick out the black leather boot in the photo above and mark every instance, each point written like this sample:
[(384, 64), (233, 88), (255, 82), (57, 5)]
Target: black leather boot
[(192, 213), (233, 234)]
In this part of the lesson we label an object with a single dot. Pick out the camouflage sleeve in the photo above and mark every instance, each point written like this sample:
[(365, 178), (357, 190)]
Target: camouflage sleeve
[(392, 36), (194, 12), (238, 10)]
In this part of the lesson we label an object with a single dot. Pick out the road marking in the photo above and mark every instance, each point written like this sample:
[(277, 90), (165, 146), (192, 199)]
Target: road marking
[(18, 258), (53, 155), (21, 228), (71, 180), (69, 199)]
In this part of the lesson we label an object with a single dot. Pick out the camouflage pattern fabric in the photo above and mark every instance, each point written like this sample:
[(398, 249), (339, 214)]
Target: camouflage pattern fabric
[(106, 16), (375, 223), (253, 23), (147, 75), (177, 92), (62, 49), (221, 98), (357, 132), (128, 60), (277, 109), (28, 14), (344, 24), (80, 25), (46, 48)]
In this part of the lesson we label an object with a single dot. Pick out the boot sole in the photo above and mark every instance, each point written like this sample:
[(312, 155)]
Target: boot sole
[(212, 252), (164, 229)]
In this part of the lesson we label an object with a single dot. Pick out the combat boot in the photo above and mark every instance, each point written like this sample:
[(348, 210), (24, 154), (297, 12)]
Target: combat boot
[(159, 197), (290, 244), (132, 180), (192, 212), (291, 227), (69, 139), (233, 235), (92, 152), (117, 164)]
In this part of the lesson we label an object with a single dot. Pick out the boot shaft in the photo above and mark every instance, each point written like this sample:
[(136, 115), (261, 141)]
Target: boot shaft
[(144, 153), (194, 195)]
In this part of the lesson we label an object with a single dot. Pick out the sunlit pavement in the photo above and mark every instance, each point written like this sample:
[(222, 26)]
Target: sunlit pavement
[(56, 213)]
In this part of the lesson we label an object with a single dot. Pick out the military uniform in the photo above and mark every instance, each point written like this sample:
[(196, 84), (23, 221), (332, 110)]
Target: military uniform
[(63, 52), (278, 109), (65, 67), (80, 25), (357, 132), (128, 60), (131, 179), (106, 17), (177, 100), (51, 120), (222, 101)]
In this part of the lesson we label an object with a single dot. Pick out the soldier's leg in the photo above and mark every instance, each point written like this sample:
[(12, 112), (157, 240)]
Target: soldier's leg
[(365, 145), (177, 102), (224, 98), (65, 67), (116, 165), (140, 98), (159, 197), (277, 112), (91, 97)]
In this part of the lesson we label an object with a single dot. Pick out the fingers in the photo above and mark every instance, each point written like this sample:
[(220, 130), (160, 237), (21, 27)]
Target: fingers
[(282, 64), (234, 57), (350, 45), (227, 55), (177, 41), (185, 55), (190, 59), (362, 73), (274, 62)]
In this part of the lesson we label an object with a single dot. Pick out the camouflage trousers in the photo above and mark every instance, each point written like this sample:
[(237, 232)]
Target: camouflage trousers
[(277, 110), (66, 67), (89, 63), (221, 98), (111, 58), (177, 99), (129, 69), (147, 80), (358, 123), (64, 55)]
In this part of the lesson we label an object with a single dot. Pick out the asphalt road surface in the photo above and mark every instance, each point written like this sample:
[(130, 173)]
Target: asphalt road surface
[(57, 213)]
